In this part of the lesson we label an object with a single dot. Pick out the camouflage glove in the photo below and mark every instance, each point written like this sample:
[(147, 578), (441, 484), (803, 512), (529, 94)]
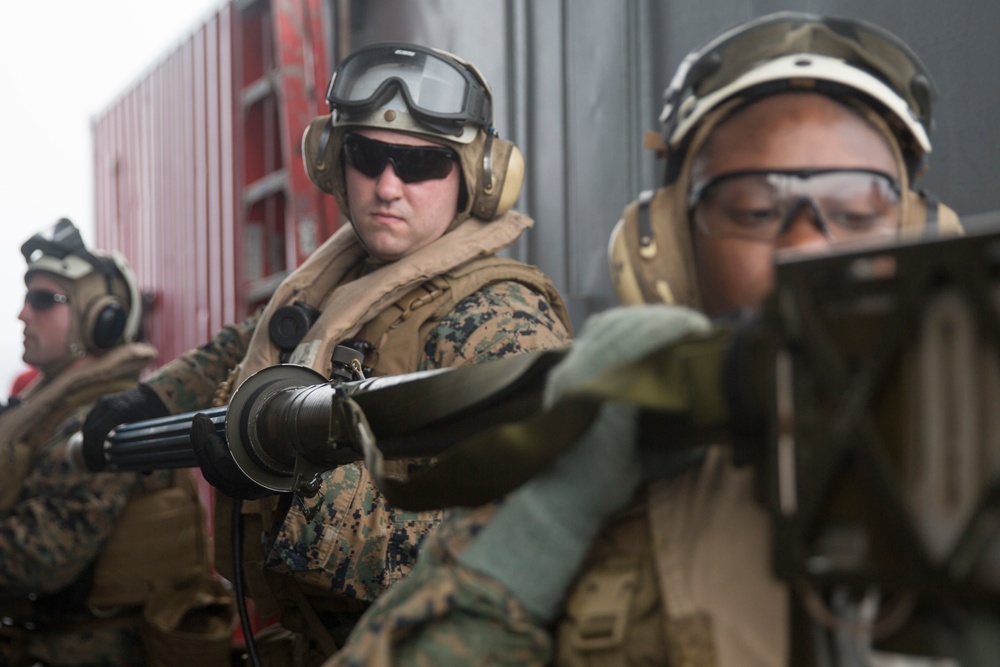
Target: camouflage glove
[(537, 540), (137, 404)]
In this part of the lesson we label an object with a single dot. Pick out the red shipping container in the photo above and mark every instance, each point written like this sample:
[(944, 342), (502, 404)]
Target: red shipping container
[(198, 171)]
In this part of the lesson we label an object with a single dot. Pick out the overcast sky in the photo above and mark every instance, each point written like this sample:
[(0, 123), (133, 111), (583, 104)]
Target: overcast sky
[(62, 62)]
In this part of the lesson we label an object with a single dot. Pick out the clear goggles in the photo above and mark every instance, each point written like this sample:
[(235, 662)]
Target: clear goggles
[(845, 204), (439, 92)]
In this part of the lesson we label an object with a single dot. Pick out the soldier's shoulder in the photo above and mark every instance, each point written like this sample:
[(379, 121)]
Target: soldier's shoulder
[(499, 320)]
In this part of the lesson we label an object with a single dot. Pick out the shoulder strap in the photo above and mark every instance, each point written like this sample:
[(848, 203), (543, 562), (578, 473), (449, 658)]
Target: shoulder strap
[(647, 240), (932, 212)]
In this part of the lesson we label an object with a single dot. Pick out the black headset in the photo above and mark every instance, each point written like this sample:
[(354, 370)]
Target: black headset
[(106, 317)]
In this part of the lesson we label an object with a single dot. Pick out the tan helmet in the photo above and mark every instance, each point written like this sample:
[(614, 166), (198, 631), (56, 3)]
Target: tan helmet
[(861, 65), (103, 293), (428, 93)]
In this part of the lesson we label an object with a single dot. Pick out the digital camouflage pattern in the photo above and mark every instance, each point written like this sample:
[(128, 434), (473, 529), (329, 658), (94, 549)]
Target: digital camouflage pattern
[(347, 539), (48, 541), (498, 321), (444, 614), (59, 521), (190, 381)]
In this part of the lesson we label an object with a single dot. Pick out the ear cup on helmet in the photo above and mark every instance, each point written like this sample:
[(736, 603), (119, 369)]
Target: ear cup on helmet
[(650, 252), (623, 274), (923, 215), (104, 322), (316, 142), (494, 195), (499, 194)]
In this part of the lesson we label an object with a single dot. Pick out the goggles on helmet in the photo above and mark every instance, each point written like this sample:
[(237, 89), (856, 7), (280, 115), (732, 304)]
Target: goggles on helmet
[(852, 56), (411, 163), (438, 91), (846, 204), (62, 240), (60, 250)]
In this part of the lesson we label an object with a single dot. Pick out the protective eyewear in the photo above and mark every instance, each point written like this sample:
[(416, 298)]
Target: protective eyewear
[(412, 164), (762, 205), (42, 300), (438, 91)]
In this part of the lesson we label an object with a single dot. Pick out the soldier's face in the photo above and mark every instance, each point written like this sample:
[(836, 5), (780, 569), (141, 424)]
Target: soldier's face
[(792, 131), (46, 328), (394, 218)]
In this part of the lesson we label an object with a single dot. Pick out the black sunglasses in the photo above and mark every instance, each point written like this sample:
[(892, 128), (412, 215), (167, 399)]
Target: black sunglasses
[(41, 300), (411, 163)]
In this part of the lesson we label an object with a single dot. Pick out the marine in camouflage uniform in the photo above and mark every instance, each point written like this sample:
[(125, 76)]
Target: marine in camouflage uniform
[(55, 520), (611, 558), (52, 535), (499, 320), (347, 539), (423, 299)]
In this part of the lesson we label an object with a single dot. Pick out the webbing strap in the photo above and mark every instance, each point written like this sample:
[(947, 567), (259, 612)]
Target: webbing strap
[(647, 239), (317, 631), (685, 378), (932, 226)]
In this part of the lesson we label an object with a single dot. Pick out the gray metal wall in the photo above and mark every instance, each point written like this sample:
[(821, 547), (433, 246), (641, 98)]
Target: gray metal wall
[(577, 82)]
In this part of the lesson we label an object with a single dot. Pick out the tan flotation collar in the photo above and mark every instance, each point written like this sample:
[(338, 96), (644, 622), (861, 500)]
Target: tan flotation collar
[(26, 428), (324, 281)]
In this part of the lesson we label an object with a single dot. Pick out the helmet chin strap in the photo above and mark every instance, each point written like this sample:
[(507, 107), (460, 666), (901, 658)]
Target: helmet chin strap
[(324, 142), (488, 162)]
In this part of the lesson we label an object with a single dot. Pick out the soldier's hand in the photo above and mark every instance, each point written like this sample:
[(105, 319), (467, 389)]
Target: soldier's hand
[(217, 464), (137, 404), (536, 540)]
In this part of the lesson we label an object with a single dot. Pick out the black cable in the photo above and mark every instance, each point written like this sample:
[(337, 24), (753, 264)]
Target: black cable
[(236, 537)]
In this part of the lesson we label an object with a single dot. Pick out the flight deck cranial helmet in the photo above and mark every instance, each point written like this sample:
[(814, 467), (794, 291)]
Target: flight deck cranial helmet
[(856, 63), (424, 92), (103, 293)]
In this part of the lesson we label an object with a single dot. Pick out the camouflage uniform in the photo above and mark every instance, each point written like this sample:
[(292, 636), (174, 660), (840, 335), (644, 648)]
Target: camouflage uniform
[(703, 595), (443, 614), (447, 614), (347, 540), (49, 540), (500, 320), (682, 576)]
